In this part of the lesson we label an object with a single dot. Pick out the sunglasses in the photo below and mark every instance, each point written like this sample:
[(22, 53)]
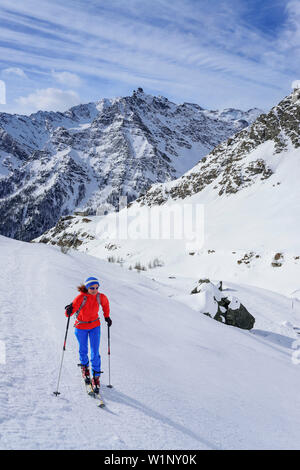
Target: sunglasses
[(94, 288)]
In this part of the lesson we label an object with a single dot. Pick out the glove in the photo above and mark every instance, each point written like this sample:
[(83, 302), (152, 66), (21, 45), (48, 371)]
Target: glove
[(108, 321), (69, 310)]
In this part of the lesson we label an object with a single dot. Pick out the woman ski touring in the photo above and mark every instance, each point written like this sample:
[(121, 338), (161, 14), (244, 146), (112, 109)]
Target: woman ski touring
[(87, 327)]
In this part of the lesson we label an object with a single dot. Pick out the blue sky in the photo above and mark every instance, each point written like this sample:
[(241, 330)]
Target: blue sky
[(231, 53)]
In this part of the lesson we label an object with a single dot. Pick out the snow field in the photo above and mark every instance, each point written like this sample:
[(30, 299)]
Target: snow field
[(181, 380)]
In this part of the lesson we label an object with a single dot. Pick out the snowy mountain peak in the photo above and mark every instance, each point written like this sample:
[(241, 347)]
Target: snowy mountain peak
[(52, 163), (247, 190), (296, 95), (252, 155)]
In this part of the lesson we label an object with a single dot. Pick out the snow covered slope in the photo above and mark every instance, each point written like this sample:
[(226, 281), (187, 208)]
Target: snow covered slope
[(266, 151), (52, 163), (249, 190), (181, 380)]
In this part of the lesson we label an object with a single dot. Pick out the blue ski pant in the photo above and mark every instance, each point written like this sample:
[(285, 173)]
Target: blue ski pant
[(93, 335)]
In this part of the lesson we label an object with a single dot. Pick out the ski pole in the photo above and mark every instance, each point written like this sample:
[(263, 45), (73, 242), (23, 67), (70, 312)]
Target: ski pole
[(108, 339), (64, 348)]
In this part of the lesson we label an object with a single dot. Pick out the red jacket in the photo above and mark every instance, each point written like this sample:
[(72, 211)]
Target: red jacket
[(90, 310)]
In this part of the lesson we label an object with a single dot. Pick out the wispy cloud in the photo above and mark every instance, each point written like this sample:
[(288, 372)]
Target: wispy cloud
[(67, 78), (290, 37), (14, 71), (207, 52), (49, 99)]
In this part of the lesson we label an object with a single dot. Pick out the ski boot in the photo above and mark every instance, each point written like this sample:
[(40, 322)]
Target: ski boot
[(96, 383), (85, 370)]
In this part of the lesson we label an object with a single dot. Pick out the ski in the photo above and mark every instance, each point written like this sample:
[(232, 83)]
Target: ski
[(99, 397), (89, 388), (96, 389), (91, 392)]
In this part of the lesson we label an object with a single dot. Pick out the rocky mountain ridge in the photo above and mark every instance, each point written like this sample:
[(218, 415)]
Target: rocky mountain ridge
[(52, 163), (241, 160), (248, 188)]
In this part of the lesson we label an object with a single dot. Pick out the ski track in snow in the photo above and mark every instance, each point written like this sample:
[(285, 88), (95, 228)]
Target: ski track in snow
[(179, 378), (33, 412)]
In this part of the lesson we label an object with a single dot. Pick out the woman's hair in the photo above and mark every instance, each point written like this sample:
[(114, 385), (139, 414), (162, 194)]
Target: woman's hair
[(82, 288)]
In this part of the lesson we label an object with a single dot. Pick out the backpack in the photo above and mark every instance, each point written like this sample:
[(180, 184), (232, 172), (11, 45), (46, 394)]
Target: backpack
[(79, 322)]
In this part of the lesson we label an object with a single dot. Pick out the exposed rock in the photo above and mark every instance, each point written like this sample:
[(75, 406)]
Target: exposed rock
[(227, 167), (220, 307), (278, 260), (238, 315), (199, 285), (54, 163)]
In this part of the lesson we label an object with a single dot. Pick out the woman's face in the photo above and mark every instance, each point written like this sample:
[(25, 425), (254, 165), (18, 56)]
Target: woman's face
[(93, 290)]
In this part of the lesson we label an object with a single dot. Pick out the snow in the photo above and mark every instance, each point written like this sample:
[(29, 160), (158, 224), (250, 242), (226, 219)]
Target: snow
[(229, 114), (258, 222), (122, 145), (243, 232), (181, 380)]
